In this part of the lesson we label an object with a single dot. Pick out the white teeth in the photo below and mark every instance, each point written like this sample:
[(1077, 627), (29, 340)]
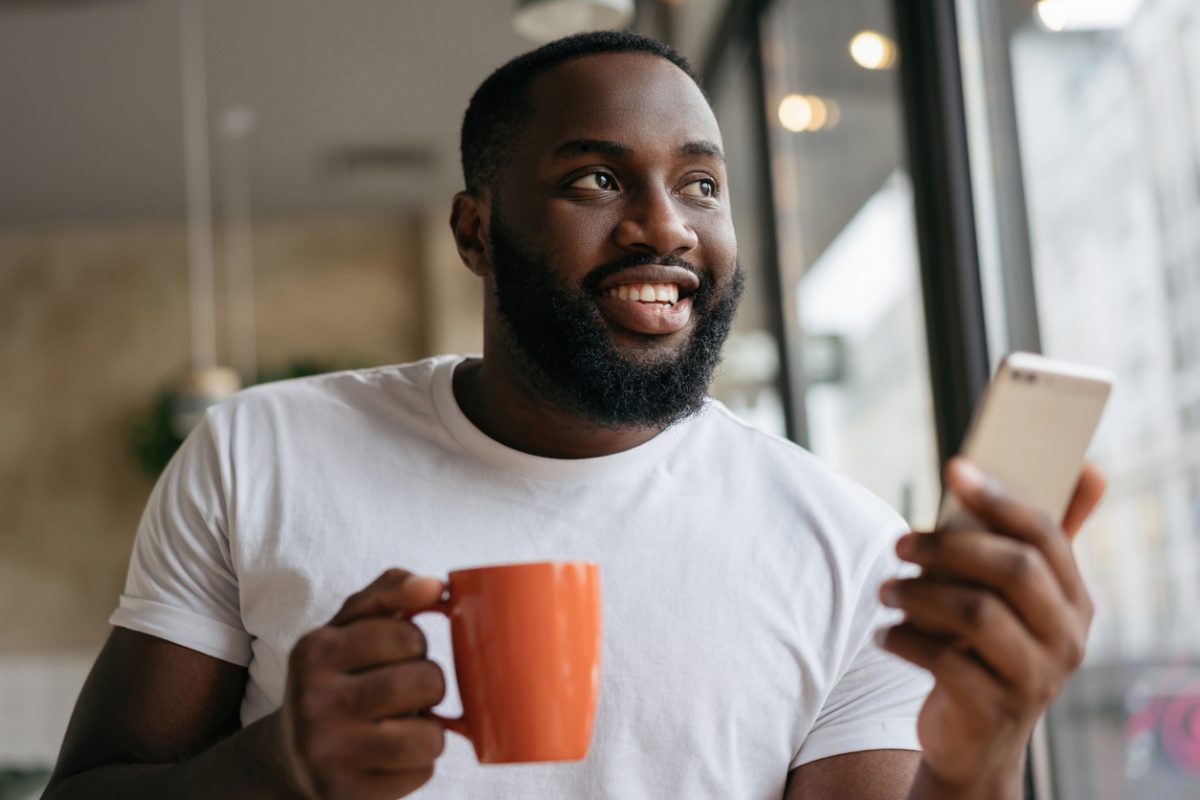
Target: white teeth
[(645, 292)]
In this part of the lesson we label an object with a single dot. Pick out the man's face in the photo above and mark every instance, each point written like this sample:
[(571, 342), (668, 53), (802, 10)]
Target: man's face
[(611, 242)]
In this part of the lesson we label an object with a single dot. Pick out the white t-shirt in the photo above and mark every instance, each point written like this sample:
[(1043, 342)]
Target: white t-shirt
[(739, 574)]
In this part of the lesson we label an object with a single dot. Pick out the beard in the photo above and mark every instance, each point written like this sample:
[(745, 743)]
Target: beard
[(558, 339)]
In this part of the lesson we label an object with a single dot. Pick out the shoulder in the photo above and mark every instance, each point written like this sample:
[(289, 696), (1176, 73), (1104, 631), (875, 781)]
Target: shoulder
[(359, 391)]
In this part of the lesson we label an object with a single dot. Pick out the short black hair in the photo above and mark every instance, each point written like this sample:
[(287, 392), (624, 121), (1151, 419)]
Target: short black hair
[(500, 108)]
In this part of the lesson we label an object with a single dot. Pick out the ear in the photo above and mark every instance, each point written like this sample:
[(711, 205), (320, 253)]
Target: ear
[(469, 223)]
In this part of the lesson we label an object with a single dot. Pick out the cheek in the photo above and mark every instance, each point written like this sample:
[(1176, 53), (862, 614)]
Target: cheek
[(574, 242), (720, 242)]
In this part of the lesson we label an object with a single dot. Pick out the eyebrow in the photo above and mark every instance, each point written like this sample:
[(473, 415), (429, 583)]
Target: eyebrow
[(611, 148)]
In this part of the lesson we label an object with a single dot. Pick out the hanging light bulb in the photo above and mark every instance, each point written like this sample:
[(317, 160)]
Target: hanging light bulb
[(872, 50), (207, 383), (546, 20)]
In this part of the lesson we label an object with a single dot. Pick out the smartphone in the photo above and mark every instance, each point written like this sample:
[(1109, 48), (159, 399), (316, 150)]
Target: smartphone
[(1031, 431)]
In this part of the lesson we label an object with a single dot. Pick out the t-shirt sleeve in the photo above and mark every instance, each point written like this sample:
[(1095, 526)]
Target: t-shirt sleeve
[(182, 585), (875, 702)]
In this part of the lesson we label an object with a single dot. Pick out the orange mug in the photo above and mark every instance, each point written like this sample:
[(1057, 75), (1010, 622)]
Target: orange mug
[(526, 640)]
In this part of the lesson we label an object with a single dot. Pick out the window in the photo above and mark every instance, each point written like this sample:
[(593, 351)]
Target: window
[(1085, 125), (847, 246)]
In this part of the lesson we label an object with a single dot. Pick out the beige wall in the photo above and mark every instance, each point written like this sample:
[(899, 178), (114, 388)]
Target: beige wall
[(94, 323)]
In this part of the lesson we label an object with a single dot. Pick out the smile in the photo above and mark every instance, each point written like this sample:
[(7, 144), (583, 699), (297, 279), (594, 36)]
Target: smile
[(645, 292)]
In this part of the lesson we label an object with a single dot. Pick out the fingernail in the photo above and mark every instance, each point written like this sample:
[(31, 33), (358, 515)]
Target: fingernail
[(968, 475), (887, 593), (906, 545), (881, 636)]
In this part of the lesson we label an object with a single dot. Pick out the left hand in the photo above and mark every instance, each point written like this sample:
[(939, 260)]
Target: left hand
[(1000, 618)]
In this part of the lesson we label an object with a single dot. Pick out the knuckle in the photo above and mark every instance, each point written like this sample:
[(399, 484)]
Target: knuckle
[(944, 660), (1043, 692), (323, 752), (313, 649), (932, 544), (1043, 525), (393, 576), (355, 698), (312, 707), (312, 746), (1074, 649), (974, 608), (1022, 564), (1088, 607)]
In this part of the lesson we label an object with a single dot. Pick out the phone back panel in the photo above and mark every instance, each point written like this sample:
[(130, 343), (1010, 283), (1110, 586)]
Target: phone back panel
[(1032, 432)]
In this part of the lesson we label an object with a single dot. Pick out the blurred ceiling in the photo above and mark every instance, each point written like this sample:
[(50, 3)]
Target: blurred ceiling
[(357, 103)]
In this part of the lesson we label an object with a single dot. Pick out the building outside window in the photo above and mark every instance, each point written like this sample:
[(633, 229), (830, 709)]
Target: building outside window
[(1093, 108)]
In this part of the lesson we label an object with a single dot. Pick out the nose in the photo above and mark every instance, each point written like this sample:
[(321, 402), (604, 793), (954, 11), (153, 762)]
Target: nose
[(653, 223)]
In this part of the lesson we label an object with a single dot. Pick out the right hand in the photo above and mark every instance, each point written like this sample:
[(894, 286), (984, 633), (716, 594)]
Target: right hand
[(350, 719)]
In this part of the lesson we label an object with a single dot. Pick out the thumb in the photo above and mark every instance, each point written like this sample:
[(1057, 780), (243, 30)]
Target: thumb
[(396, 591)]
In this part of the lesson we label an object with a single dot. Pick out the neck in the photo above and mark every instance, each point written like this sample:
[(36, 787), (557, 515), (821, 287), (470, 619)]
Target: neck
[(499, 403)]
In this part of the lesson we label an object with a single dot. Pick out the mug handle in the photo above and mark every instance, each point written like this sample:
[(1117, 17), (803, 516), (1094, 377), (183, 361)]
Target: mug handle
[(456, 724)]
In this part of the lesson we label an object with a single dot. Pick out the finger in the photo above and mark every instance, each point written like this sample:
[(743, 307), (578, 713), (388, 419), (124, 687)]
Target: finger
[(976, 616), (389, 691), (393, 745), (1088, 492), (375, 642), (1016, 570), (1003, 513), (955, 671), (394, 592)]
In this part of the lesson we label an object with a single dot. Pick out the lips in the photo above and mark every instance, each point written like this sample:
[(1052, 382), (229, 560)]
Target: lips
[(650, 299)]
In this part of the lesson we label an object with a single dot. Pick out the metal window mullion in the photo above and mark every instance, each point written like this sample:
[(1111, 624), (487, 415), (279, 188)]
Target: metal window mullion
[(939, 162)]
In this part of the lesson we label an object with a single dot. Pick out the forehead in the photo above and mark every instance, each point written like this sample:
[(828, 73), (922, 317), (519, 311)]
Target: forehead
[(632, 98)]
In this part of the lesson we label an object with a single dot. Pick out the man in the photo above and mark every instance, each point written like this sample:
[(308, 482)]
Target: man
[(741, 578)]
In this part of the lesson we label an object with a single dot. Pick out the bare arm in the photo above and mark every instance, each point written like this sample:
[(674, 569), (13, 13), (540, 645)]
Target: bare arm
[(868, 775), (159, 720)]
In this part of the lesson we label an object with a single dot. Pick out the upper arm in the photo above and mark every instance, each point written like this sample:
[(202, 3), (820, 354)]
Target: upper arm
[(149, 701), (866, 775)]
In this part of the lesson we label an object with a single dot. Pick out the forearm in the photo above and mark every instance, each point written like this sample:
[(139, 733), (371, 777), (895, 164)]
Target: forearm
[(248, 764), (1006, 784)]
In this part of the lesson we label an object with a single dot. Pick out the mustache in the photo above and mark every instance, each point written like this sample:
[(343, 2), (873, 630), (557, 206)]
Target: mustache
[(598, 274)]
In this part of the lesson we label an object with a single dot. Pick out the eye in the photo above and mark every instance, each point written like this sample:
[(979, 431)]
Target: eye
[(704, 187), (595, 180)]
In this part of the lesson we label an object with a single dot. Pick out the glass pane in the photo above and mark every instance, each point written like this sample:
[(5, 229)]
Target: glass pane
[(1106, 97), (747, 379), (847, 243)]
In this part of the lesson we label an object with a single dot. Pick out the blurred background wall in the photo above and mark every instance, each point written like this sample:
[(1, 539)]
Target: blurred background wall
[(94, 324)]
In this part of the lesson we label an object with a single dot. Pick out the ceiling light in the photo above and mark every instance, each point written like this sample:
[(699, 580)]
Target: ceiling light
[(1064, 15), (800, 113), (1052, 14), (546, 20), (872, 50)]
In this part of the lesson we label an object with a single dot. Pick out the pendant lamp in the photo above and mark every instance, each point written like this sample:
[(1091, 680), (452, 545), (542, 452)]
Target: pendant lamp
[(208, 382), (546, 20)]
